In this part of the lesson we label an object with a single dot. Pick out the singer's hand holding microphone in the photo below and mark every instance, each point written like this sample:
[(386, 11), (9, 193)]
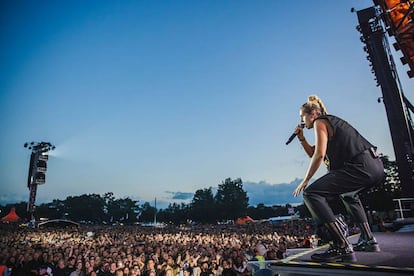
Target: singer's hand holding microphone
[(297, 132)]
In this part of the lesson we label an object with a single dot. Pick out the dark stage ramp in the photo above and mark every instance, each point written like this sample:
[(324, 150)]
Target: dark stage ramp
[(396, 258)]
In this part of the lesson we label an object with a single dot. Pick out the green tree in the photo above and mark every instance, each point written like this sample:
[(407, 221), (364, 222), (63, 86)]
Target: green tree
[(392, 183), (147, 213), (51, 210), (85, 208), (108, 198), (122, 210), (175, 213), (203, 206), (261, 211), (231, 200)]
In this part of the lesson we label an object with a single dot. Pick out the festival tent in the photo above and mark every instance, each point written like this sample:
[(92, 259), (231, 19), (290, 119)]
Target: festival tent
[(11, 216), (244, 220)]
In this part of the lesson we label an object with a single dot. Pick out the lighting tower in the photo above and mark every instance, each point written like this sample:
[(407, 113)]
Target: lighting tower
[(37, 170), (398, 17), (396, 104)]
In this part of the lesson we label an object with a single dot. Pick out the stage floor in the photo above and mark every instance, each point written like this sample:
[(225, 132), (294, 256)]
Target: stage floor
[(396, 258)]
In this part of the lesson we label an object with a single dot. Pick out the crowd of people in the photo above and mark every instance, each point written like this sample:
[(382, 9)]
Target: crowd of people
[(137, 250)]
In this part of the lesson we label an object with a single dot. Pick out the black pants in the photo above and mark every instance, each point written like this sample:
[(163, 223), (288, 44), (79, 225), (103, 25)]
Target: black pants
[(364, 171)]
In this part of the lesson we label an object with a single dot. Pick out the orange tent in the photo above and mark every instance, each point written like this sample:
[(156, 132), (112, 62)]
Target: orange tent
[(11, 216), (244, 220)]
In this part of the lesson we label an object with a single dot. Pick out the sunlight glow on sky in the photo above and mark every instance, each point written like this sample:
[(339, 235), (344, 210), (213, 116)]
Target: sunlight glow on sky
[(150, 98)]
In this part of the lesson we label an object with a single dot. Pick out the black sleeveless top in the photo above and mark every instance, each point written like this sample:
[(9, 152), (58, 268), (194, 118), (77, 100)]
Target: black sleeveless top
[(345, 144)]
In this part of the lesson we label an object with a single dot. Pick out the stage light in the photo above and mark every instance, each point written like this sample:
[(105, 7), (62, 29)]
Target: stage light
[(44, 156), (40, 178), (398, 15), (41, 166)]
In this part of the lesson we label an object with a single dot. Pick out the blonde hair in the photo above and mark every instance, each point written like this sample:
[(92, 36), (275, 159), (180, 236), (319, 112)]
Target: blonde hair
[(314, 104)]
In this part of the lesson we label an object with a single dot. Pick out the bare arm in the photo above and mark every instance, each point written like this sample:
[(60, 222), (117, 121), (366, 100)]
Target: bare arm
[(321, 138), (309, 149)]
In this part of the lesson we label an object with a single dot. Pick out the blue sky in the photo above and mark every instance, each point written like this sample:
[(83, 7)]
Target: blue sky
[(157, 98)]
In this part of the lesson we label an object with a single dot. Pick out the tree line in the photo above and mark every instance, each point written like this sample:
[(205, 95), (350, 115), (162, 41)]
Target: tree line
[(228, 203)]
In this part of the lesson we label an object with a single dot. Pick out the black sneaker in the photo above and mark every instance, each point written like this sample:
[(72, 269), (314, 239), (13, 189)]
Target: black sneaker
[(366, 245), (335, 254)]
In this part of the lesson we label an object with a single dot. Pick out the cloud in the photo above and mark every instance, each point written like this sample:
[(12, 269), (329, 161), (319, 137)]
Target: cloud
[(271, 194), (258, 192), (261, 192), (174, 197), (182, 196), (12, 198)]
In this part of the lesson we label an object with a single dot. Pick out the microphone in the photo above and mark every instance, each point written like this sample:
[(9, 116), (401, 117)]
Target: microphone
[(302, 125)]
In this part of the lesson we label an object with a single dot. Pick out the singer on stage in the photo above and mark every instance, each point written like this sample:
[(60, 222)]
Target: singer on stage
[(353, 165)]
